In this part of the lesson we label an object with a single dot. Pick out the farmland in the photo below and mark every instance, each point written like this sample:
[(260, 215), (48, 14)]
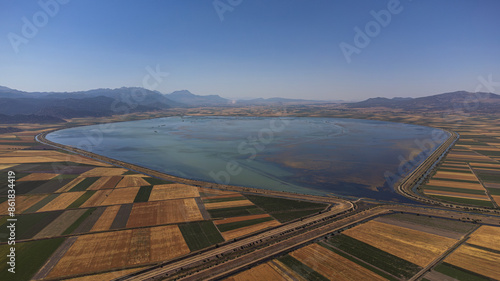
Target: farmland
[(117, 221)]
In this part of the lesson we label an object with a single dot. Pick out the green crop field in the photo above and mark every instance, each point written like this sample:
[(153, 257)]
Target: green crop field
[(84, 184), (453, 189), (302, 269), (79, 221), (78, 202), (482, 203), (30, 257), (143, 194), (374, 256), (155, 181), (199, 235), (459, 273), (363, 264), (29, 225), (291, 215)]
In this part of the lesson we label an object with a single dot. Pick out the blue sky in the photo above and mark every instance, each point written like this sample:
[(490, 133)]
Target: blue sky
[(261, 48)]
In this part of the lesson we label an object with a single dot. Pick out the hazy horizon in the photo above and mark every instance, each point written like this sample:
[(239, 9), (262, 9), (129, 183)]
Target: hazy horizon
[(251, 49)]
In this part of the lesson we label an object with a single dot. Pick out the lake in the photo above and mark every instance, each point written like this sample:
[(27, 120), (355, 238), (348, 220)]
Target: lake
[(345, 157)]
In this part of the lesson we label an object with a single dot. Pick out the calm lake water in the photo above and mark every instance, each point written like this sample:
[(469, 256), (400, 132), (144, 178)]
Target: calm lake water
[(346, 157)]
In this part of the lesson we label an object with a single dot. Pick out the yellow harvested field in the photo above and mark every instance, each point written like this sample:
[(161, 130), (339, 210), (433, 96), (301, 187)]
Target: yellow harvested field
[(490, 148), (228, 235), (106, 219), (216, 191), (119, 249), (97, 198), (455, 184), (32, 159), (457, 194), (23, 202), (486, 236), (121, 196), (70, 185), (62, 201), (332, 265), (167, 243), (98, 183), (108, 276), (455, 175), (466, 157), (164, 212), (496, 198), (243, 218), (415, 246), (102, 172), (129, 181), (487, 165), (262, 272), (476, 260), (6, 166), (173, 191), (228, 204), (221, 196), (38, 177)]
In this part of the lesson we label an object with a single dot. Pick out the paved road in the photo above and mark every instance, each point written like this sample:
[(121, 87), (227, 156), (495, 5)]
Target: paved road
[(220, 270)]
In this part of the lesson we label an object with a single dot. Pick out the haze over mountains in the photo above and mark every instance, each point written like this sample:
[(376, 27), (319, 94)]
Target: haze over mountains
[(48, 107)]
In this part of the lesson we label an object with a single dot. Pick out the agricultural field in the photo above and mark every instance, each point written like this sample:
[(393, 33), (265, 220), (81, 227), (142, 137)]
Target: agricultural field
[(173, 191), (364, 252)]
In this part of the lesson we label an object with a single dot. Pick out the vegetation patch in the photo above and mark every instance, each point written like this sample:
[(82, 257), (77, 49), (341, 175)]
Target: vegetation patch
[(459, 273), (199, 235), (452, 189), (84, 184), (374, 256), (363, 264), (143, 194), (155, 181), (78, 202), (30, 257), (302, 269), (291, 215), (79, 221), (482, 203)]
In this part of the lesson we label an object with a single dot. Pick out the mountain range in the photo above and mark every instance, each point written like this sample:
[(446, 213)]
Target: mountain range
[(49, 107)]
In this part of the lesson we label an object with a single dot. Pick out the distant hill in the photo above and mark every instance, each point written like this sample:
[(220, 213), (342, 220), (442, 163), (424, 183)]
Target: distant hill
[(276, 101), (187, 98), (92, 103), (31, 118), (459, 101)]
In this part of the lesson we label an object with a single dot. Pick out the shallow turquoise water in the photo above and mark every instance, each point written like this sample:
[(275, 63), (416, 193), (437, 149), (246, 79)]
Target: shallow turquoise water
[(345, 157)]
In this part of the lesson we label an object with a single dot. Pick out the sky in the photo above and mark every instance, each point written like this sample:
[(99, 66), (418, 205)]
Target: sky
[(322, 49)]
